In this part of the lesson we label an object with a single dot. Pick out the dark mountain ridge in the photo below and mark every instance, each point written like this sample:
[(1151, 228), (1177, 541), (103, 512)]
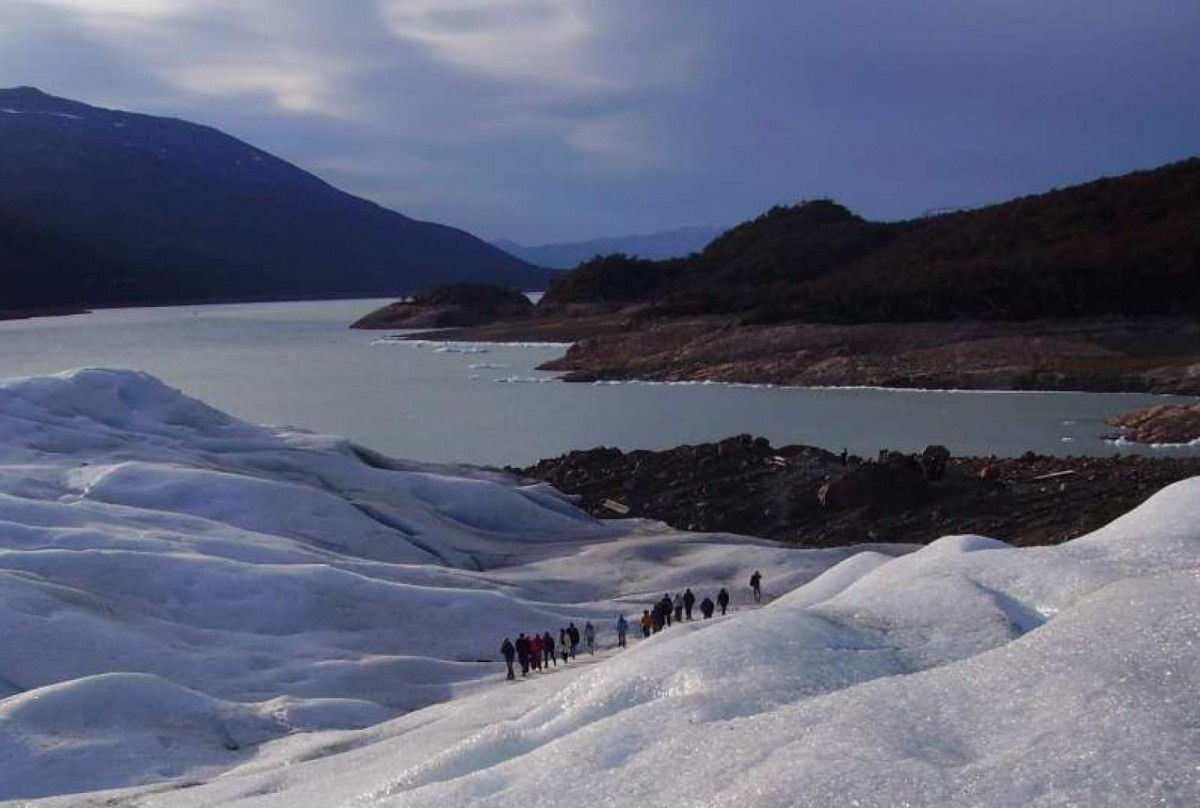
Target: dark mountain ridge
[(1126, 246), (102, 207)]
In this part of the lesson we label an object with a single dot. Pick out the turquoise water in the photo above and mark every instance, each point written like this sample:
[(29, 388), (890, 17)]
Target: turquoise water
[(298, 364)]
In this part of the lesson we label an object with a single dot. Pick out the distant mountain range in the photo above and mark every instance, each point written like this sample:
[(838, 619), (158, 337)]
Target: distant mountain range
[(103, 207), (567, 255)]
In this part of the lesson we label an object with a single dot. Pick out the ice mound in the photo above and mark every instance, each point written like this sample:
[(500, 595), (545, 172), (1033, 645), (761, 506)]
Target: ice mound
[(968, 673), (145, 729), (147, 534)]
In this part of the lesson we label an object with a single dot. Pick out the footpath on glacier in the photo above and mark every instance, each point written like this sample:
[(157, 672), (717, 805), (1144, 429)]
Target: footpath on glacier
[(199, 611)]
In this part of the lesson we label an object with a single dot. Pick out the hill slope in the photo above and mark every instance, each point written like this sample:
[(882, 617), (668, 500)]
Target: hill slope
[(1122, 246), (106, 207)]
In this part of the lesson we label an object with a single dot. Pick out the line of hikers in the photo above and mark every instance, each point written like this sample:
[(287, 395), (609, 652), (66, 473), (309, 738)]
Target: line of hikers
[(678, 609), (538, 651)]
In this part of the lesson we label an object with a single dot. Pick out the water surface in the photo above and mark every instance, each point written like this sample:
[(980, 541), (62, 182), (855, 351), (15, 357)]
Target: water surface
[(298, 364)]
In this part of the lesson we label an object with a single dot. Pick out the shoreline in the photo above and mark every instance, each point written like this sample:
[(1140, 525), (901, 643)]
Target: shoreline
[(815, 498), (1100, 355)]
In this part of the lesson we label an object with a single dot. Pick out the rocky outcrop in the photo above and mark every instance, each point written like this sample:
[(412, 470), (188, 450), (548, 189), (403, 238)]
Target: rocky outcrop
[(1166, 423), (1155, 355), (1102, 355), (817, 498)]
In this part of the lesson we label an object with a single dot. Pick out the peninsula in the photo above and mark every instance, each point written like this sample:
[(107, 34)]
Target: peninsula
[(1094, 288)]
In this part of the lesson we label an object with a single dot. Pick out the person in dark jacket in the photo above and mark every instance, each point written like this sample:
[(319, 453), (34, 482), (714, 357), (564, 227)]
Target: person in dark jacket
[(573, 631), (756, 585), (548, 650), (723, 599), (677, 602), (622, 628), (509, 650), (688, 601), (523, 653), (666, 606), (706, 608)]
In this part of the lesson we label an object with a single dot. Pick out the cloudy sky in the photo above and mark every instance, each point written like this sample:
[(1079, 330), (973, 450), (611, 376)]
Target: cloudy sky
[(552, 120)]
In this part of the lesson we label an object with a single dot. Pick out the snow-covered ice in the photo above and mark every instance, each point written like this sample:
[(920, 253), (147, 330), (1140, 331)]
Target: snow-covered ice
[(199, 611)]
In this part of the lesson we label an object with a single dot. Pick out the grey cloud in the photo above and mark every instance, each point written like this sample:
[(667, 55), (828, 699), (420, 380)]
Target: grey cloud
[(549, 121)]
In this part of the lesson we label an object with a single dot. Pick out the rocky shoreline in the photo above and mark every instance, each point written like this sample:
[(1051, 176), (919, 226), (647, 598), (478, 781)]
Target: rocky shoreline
[(1164, 424), (1149, 355), (813, 497)]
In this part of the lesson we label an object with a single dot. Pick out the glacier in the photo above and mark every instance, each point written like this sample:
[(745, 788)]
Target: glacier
[(196, 610)]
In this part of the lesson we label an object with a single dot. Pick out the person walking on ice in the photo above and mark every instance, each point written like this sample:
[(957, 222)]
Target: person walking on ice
[(523, 653), (589, 637), (756, 585), (723, 599), (706, 608), (622, 627), (510, 651), (689, 600), (647, 622), (564, 644), (573, 634)]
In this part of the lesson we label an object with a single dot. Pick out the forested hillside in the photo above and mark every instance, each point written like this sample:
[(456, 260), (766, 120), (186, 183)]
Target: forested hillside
[(1123, 246)]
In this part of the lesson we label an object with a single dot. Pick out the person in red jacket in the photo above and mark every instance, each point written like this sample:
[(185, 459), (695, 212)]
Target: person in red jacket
[(535, 652)]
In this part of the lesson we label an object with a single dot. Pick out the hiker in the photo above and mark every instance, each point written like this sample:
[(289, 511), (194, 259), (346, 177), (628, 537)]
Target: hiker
[(706, 608), (523, 653), (666, 609), (756, 585), (573, 633), (548, 651), (657, 617), (622, 627), (535, 652), (723, 599), (688, 600), (509, 650), (678, 607), (589, 637), (647, 622), (564, 644)]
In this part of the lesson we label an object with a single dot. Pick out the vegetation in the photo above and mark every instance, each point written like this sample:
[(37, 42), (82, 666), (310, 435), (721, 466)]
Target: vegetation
[(616, 278), (481, 296), (452, 306), (1126, 246)]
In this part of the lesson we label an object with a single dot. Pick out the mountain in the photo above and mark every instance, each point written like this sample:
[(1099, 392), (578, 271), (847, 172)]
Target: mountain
[(566, 255), (102, 207), (1121, 246)]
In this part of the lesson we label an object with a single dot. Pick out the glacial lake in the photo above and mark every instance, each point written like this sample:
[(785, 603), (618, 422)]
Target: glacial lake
[(299, 364)]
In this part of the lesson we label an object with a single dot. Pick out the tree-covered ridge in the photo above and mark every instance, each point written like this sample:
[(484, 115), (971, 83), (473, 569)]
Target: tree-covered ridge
[(1123, 246)]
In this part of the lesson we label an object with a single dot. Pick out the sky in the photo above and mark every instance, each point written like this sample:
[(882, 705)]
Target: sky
[(560, 120)]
